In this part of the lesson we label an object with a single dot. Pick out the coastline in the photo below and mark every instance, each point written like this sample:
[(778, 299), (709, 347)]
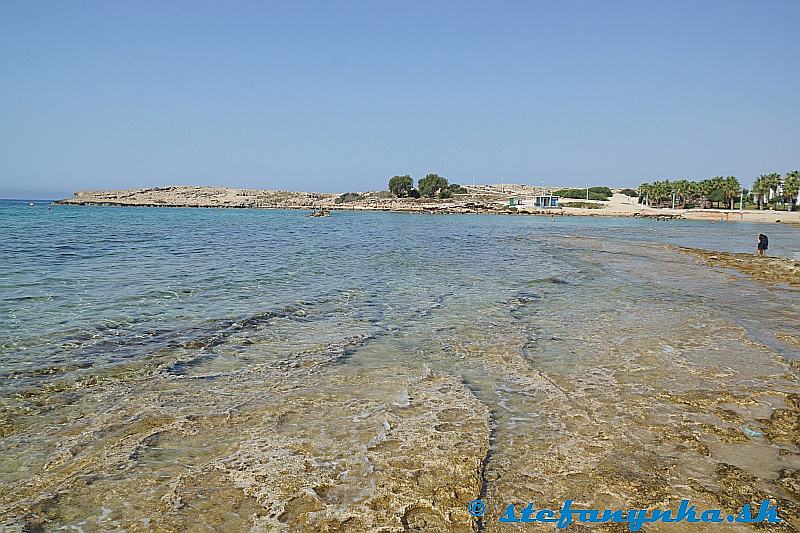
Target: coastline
[(479, 200)]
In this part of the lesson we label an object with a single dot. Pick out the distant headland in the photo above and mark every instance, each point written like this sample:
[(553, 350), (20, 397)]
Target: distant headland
[(509, 199)]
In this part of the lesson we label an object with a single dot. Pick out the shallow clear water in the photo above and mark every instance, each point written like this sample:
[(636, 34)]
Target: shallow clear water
[(242, 369)]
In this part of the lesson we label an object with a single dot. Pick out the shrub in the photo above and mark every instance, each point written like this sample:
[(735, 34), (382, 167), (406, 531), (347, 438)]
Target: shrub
[(602, 190), (581, 194), (445, 193), (629, 192), (455, 188), (584, 205), (348, 197)]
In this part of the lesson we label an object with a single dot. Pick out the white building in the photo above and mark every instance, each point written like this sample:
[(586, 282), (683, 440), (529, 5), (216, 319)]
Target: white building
[(538, 201)]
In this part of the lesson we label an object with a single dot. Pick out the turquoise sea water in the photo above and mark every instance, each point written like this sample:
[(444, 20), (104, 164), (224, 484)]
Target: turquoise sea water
[(95, 286), (110, 317)]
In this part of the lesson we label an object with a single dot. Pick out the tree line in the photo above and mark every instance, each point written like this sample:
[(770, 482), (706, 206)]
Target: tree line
[(432, 185), (722, 191)]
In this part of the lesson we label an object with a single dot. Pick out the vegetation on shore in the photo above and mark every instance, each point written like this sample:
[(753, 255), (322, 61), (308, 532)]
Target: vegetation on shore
[(431, 186), (590, 193), (402, 186), (582, 205), (723, 192), (348, 197)]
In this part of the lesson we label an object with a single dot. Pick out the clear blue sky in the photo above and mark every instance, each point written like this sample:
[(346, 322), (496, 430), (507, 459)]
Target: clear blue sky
[(335, 96)]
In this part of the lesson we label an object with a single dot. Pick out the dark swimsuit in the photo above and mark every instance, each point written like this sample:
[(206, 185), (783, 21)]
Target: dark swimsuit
[(763, 244)]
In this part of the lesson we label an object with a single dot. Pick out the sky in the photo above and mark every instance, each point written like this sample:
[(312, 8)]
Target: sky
[(340, 96)]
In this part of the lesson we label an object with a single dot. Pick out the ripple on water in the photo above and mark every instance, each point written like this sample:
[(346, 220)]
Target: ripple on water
[(224, 369)]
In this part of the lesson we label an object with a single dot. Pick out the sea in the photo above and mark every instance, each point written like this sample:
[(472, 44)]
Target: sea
[(176, 369)]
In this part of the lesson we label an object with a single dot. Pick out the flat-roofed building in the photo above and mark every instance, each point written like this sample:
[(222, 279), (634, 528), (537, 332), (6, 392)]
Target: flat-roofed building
[(538, 201)]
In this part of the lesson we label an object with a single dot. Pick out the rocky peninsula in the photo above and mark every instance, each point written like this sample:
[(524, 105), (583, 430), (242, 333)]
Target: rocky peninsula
[(481, 199)]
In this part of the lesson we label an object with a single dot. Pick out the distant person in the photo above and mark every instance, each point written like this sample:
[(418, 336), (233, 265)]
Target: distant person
[(763, 244)]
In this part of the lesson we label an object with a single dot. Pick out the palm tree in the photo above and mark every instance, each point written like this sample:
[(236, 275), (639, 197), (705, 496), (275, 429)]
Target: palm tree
[(683, 189), (731, 189), (760, 189), (791, 188), (764, 185), (773, 182), (705, 188), (644, 193), (652, 192), (718, 190), (694, 190), (661, 191)]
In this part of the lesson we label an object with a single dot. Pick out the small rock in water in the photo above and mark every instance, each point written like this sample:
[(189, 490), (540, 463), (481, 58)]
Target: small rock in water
[(752, 432), (403, 399), (426, 371)]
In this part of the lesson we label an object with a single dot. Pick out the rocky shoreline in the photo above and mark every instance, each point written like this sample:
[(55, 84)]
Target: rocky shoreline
[(478, 201), (770, 269)]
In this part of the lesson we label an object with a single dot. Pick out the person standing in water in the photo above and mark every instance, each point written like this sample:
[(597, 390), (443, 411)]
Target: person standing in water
[(763, 244)]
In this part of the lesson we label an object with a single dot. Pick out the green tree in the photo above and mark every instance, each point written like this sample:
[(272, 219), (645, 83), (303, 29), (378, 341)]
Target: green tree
[(764, 185), (705, 189), (664, 191), (759, 190), (731, 189), (774, 181), (683, 191), (644, 193), (401, 186), (660, 191), (455, 188), (791, 188), (431, 184), (716, 196), (769, 185)]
